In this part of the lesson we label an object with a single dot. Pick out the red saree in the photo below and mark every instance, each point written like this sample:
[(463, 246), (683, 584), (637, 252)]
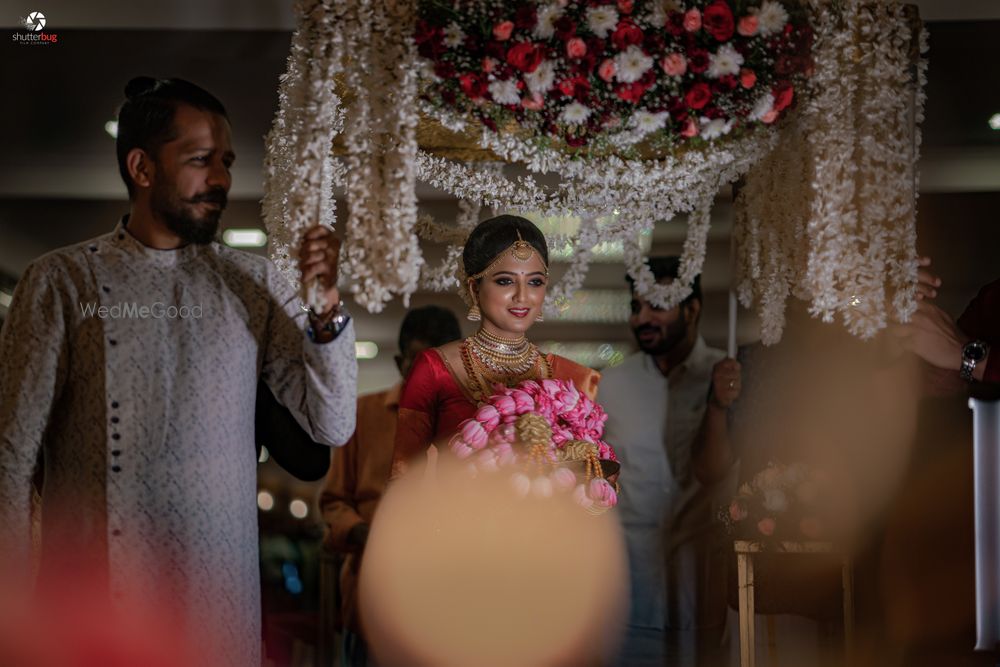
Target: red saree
[(433, 404)]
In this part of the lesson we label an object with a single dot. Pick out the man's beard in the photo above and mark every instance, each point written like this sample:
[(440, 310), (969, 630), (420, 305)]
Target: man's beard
[(179, 215), (675, 333)]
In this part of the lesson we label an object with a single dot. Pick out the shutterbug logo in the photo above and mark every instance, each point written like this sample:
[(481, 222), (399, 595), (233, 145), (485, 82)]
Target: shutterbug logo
[(34, 26), (35, 22)]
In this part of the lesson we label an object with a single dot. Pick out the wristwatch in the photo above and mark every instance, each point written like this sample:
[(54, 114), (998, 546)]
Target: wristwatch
[(335, 325), (972, 354)]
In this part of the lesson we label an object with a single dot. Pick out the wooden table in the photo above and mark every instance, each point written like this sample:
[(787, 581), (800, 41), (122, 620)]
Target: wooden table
[(745, 549)]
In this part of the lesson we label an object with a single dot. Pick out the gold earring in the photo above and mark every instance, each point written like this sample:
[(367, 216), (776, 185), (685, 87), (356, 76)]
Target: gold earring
[(474, 314)]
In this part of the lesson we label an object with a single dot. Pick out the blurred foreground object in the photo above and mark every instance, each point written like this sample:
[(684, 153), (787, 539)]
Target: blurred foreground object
[(986, 448), (459, 571)]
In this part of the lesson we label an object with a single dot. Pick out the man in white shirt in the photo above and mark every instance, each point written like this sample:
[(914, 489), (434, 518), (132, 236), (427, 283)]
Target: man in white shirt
[(662, 405)]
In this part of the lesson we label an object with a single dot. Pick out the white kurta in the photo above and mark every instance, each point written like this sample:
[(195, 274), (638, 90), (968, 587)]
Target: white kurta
[(147, 425)]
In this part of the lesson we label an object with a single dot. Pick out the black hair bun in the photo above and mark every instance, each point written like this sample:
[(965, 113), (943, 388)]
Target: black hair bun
[(140, 85)]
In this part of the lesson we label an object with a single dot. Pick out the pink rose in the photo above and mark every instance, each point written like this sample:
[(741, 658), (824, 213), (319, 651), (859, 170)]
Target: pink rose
[(521, 484), (474, 434), (576, 48), (747, 25), (747, 78), (534, 102), (502, 30), (505, 454), (625, 6), (487, 460), (551, 387), (488, 417), (489, 64), (542, 487), (737, 512), (460, 449), (769, 117), (674, 64), (581, 498), (766, 526), (690, 129), (692, 20), (607, 70)]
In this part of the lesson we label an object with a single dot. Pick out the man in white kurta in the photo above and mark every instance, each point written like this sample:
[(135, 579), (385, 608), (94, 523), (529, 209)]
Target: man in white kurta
[(134, 371), (656, 402)]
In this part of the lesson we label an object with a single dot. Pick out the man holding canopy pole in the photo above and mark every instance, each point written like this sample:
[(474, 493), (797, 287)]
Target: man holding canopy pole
[(133, 360)]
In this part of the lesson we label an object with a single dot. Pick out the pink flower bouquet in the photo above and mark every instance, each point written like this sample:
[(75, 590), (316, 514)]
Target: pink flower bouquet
[(549, 434)]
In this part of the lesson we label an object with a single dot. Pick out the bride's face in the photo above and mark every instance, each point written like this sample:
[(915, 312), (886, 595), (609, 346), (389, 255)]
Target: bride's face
[(511, 295)]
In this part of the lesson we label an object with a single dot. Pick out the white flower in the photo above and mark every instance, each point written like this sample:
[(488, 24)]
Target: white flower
[(541, 80), (715, 128), (726, 60), (505, 92), (760, 108), (574, 113), (601, 20), (659, 10), (647, 122), (453, 35), (631, 64), (771, 17), (547, 17), (775, 500)]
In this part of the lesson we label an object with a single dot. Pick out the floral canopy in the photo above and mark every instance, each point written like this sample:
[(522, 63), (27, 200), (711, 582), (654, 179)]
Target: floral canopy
[(644, 106)]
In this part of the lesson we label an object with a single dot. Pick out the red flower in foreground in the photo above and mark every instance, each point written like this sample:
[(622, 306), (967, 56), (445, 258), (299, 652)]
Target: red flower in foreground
[(631, 92), (718, 20), (502, 30), (525, 57), (698, 96), (473, 85)]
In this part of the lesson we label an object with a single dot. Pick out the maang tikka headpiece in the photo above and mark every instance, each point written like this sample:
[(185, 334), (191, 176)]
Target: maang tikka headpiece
[(520, 250)]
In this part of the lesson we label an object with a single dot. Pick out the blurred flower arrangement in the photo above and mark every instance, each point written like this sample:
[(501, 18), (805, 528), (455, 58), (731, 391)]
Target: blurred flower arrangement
[(607, 74), (547, 433), (782, 502)]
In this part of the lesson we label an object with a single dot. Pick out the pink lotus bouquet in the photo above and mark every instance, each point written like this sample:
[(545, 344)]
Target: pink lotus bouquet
[(608, 74), (782, 502), (550, 434)]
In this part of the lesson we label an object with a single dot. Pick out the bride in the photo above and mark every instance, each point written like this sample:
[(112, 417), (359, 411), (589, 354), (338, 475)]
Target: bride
[(505, 262)]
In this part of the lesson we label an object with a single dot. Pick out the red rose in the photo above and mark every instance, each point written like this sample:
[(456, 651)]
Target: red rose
[(631, 92), (525, 56), (472, 85), (698, 60), (747, 78), (698, 96), (718, 20), (576, 48), (565, 28), (625, 6), (489, 65), (502, 30), (626, 34), (783, 95)]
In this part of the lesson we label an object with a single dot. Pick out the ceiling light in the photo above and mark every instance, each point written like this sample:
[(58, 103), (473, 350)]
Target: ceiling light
[(265, 501), (365, 349), (298, 508), (244, 238), (111, 127), (994, 121)]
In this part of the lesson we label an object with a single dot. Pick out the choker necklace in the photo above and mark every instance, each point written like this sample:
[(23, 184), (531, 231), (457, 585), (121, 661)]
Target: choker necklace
[(489, 359)]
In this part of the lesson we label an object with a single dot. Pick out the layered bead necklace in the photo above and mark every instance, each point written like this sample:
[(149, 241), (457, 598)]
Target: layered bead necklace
[(489, 359)]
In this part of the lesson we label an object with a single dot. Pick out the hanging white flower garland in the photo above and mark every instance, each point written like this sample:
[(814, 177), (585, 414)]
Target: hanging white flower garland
[(839, 235)]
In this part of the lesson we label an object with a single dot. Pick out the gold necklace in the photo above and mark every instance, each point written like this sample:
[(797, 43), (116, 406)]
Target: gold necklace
[(482, 376)]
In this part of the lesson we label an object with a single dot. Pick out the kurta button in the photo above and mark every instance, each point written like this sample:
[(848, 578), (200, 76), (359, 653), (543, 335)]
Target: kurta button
[(121, 236), (93, 248), (116, 452), (105, 288), (115, 436), (116, 532), (116, 468), (115, 420), (113, 341), (114, 404)]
